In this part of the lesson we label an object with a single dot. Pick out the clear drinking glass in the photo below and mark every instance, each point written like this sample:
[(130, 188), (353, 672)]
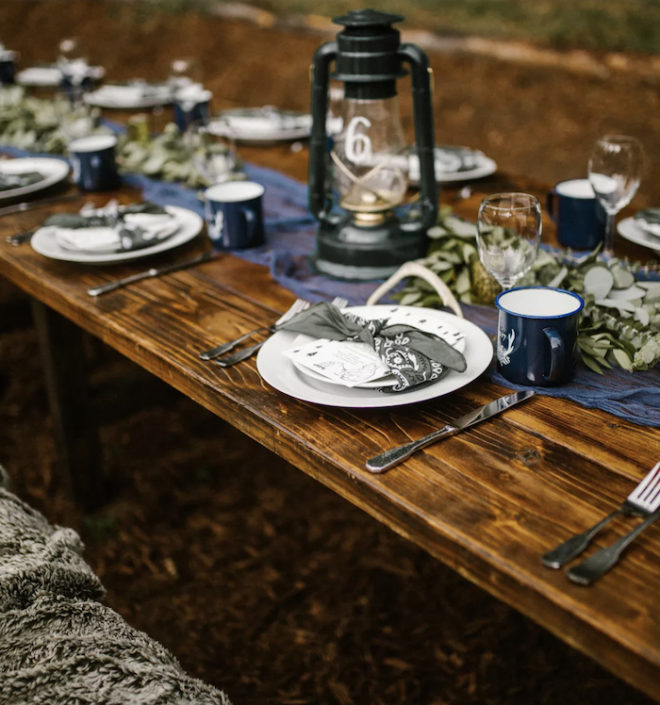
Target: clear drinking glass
[(508, 235), (213, 156), (615, 170)]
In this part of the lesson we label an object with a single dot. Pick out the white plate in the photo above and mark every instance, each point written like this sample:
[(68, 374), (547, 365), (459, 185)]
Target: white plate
[(54, 171), (50, 76), (629, 230), (260, 124), (44, 242), (276, 369), (425, 319), (484, 166), (127, 97)]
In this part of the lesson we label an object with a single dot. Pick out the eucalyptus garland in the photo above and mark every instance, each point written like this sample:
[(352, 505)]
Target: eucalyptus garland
[(620, 322), (42, 125)]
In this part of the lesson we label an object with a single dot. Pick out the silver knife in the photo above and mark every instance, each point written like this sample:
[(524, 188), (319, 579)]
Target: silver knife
[(394, 456), (153, 272), (28, 205)]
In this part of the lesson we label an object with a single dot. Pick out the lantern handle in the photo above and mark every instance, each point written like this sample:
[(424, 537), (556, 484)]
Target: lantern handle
[(424, 142), (320, 196)]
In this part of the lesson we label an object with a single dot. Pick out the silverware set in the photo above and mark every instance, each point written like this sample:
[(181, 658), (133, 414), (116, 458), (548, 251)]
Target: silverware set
[(643, 501)]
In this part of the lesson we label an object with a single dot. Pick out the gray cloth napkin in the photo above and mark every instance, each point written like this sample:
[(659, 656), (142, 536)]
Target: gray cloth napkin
[(413, 356), (131, 236)]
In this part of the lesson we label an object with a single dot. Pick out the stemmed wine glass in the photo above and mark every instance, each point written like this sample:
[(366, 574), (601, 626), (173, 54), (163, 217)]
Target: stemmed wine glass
[(508, 235), (615, 170)]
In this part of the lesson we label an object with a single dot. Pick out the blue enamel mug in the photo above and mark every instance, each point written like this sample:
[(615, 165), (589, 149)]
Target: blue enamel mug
[(234, 214), (579, 217), (537, 334), (187, 114), (93, 162), (7, 68)]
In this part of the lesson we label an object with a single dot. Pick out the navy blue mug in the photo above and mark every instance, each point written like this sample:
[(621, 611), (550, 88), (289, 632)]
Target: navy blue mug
[(186, 114), (93, 162), (537, 333), (234, 214), (579, 217), (7, 69)]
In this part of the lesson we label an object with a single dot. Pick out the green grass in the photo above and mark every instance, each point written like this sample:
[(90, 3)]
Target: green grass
[(613, 25)]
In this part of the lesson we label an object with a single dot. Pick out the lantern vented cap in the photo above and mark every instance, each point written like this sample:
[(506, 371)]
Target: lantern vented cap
[(366, 18)]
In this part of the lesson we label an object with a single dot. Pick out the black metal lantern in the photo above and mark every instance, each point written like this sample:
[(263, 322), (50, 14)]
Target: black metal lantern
[(357, 186)]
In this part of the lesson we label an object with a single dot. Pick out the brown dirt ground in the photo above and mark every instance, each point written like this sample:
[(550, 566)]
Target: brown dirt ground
[(260, 580)]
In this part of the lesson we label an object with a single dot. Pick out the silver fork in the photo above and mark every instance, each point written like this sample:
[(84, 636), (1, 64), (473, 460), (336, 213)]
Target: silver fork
[(245, 353), (297, 306), (648, 499), (642, 501)]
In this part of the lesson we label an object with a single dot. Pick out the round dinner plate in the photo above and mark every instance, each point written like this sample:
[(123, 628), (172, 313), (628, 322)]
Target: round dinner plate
[(260, 124), (426, 319), (123, 97), (276, 369), (53, 170), (51, 76), (45, 243), (629, 230)]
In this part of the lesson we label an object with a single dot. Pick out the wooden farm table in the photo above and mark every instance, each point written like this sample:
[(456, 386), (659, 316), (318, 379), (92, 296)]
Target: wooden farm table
[(487, 502)]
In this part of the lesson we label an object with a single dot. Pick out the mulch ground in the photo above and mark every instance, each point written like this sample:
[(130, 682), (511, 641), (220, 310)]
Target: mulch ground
[(259, 579)]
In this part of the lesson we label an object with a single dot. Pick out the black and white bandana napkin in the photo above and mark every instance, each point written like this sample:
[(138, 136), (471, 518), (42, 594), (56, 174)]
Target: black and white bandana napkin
[(413, 356)]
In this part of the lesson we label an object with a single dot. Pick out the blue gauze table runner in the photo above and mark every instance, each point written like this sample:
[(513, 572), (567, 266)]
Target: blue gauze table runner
[(290, 231)]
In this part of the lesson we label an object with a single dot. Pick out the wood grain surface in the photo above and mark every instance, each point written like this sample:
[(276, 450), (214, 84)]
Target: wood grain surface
[(487, 502)]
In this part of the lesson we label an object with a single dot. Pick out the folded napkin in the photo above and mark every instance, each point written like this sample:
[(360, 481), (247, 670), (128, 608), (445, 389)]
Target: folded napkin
[(413, 356), (113, 228), (25, 178), (649, 220)]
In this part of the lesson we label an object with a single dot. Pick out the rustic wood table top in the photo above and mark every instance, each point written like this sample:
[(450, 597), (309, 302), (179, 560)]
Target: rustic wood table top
[(488, 502)]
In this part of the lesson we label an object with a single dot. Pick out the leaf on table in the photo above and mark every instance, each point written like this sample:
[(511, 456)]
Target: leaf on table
[(598, 281)]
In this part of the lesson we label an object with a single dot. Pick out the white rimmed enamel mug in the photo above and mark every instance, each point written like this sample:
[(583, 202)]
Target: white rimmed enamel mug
[(537, 335), (234, 214)]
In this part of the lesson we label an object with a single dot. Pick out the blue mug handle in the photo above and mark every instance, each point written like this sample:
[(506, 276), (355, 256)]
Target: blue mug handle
[(550, 205), (557, 354)]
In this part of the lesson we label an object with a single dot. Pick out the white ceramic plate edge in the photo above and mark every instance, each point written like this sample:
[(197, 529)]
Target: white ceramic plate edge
[(629, 230)]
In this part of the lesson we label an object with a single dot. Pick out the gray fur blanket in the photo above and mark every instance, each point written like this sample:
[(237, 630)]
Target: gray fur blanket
[(58, 644)]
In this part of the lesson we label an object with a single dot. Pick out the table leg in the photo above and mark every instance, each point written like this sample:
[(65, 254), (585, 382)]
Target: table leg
[(76, 435)]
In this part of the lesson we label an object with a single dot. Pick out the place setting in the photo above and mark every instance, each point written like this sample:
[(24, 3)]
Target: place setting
[(29, 175), (262, 124), (130, 95), (109, 234), (340, 371), (71, 69), (115, 233), (454, 164)]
